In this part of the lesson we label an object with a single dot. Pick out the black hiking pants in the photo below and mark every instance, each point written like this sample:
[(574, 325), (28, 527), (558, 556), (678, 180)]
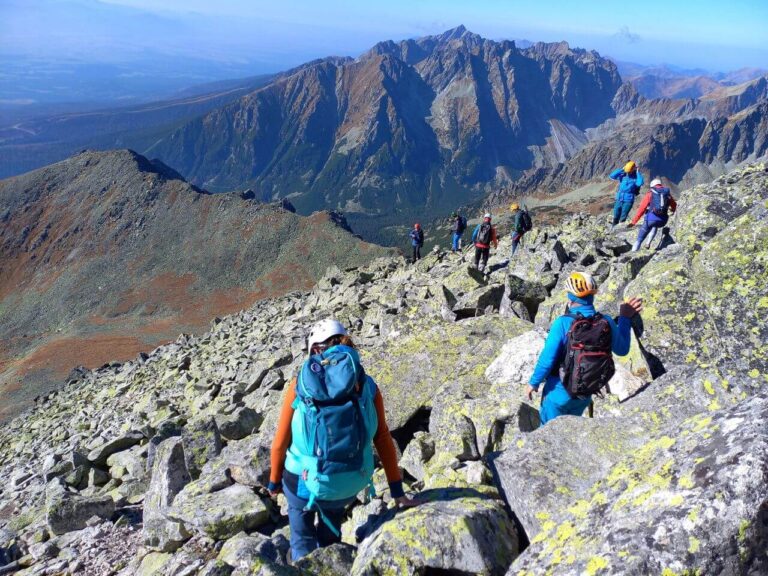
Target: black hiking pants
[(482, 254), (416, 253)]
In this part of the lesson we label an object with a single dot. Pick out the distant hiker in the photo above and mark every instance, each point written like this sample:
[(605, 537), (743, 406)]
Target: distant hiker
[(522, 223), (458, 225), (630, 182), (322, 454), (483, 236), (417, 241), (576, 361), (657, 205)]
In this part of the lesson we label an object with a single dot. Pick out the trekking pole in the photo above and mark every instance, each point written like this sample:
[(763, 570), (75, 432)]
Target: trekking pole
[(591, 409)]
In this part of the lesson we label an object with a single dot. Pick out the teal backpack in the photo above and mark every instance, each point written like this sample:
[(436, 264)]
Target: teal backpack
[(334, 422)]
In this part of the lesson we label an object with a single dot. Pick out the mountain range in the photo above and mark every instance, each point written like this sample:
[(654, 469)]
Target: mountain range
[(412, 129), (108, 254)]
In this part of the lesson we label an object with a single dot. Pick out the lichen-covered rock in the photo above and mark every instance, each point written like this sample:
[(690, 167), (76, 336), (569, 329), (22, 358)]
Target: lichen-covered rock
[(241, 423), (169, 476), (454, 432), (421, 358), (417, 454), (202, 442), (546, 471), (100, 454), (242, 550), (221, 514), (690, 501), (333, 560), (458, 531), (530, 294), (66, 512)]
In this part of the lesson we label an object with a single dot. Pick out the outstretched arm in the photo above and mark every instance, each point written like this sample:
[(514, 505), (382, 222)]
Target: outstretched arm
[(641, 209), (549, 357)]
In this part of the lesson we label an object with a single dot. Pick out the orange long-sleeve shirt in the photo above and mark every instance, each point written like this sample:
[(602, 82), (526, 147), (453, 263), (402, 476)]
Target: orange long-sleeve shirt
[(645, 203), (382, 440)]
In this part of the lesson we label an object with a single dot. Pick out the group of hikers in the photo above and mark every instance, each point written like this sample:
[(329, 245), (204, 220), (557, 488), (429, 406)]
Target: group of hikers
[(483, 236), (333, 413)]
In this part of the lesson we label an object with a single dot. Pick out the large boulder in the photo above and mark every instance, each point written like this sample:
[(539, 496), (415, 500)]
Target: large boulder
[(458, 532), (693, 500), (221, 514), (421, 358), (550, 469), (169, 476), (67, 512), (202, 442)]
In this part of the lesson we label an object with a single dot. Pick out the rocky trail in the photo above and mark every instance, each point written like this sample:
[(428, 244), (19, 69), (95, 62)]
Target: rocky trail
[(159, 465)]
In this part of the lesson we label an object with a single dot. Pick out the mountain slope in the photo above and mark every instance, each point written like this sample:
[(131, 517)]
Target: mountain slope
[(171, 451), (420, 123), (109, 244)]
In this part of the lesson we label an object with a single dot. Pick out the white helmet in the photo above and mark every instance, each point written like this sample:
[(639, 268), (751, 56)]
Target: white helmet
[(655, 182), (487, 215), (323, 330)]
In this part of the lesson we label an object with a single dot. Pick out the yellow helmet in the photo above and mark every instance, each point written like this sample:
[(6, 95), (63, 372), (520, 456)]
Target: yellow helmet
[(514, 206), (580, 284), (629, 166)]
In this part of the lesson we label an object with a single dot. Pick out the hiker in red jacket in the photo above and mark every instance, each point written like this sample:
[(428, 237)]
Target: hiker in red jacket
[(657, 205), (483, 236)]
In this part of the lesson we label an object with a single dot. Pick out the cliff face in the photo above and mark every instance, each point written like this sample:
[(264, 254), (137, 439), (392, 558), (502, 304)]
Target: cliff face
[(107, 253)]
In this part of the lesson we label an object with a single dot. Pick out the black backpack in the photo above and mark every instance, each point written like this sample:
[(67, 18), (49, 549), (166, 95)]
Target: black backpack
[(462, 224), (660, 202), (484, 235), (588, 364), (526, 224)]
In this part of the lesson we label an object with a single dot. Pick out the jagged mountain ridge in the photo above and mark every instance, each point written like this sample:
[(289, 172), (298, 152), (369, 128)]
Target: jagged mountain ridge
[(667, 476), (107, 252), (422, 122)]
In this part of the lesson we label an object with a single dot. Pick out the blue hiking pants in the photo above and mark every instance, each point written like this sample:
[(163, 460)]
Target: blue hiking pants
[(621, 210), (455, 238), (649, 226), (557, 402), (305, 536)]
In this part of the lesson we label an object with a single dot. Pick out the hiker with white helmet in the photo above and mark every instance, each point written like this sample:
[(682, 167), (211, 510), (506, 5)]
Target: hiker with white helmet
[(657, 205), (322, 454), (483, 236), (577, 359)]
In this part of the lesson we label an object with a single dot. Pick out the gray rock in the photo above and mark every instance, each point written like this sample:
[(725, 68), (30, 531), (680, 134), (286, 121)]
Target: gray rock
[(169, 476), (202, 442), (221, 514), (242, 550), (241, 423), (417, 454), (459, 532), (333, 560), (99, 455), (66, 512), (691, 496), (516, 289)]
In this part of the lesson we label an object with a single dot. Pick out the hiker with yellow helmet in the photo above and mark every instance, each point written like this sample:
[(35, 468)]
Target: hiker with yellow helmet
[(522, 223), (630, 182), (577, 359)]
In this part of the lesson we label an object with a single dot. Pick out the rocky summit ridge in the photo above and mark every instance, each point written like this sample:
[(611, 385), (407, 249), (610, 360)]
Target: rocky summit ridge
[(158, 465)]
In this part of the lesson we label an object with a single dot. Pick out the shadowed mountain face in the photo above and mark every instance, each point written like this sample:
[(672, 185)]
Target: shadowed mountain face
[(410, 125), (107, 254)]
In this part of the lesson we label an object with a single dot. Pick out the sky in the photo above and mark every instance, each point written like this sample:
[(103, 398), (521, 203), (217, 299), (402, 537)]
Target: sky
[(200, 40)]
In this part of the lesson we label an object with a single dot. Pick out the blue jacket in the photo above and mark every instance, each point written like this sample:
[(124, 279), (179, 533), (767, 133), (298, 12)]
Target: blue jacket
[(629, 186), (547, 367), (417, 237)]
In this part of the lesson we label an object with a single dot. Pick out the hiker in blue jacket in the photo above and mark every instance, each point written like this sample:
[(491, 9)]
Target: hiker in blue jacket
[(630, 182), (556, 400), (417, 241)]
